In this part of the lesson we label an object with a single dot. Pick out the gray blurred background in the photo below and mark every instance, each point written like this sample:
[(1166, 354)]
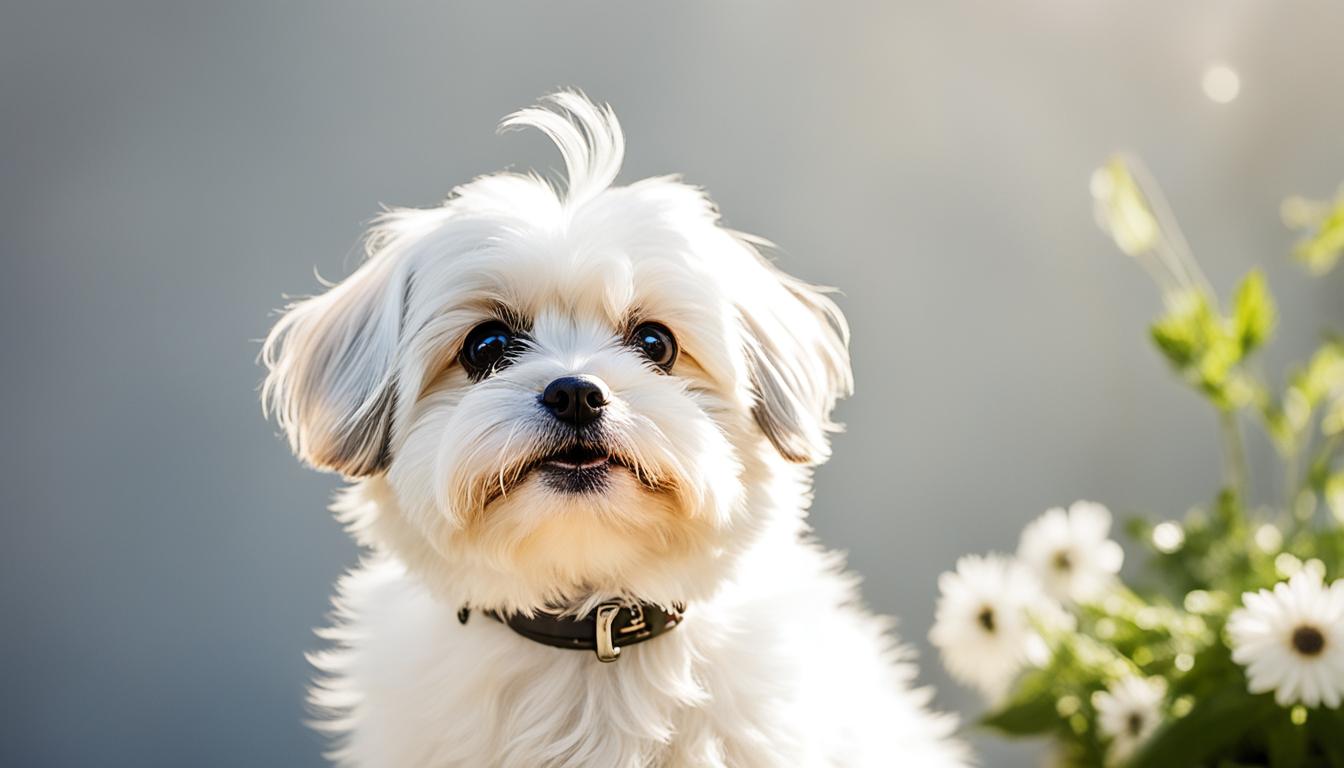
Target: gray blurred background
[(168, 170)]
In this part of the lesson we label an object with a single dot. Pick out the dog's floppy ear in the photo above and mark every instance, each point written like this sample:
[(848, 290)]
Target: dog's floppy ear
[(331, 380), (797, 352)]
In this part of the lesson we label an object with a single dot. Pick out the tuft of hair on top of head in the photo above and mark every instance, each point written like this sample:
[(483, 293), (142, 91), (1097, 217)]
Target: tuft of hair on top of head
[(588, 136)]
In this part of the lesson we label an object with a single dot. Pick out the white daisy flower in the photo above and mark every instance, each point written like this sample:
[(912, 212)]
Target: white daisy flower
[(1291, 640), (983, 622), (1071, 552), (1128, 712)]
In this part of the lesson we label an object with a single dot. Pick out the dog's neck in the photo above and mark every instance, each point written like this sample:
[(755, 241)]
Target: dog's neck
[(604, 631)]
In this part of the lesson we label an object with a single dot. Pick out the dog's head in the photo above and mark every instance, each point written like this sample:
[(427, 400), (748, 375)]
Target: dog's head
[(575, 390)]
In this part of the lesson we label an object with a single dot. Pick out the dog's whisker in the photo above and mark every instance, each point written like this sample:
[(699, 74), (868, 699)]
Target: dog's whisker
[(503, 452)]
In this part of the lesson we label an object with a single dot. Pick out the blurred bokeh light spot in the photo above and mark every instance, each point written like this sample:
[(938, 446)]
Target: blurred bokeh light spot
[(1221, 83), (1168, 537)]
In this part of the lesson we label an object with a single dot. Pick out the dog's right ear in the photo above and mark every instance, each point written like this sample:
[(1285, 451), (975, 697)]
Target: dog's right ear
[(331, 362), (797, 355)]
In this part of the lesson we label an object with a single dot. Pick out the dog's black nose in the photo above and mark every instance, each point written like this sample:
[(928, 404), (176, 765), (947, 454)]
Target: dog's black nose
[(577, 400)]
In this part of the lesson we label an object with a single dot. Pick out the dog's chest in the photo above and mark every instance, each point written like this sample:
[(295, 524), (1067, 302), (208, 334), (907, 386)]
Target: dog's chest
[(434, 692)]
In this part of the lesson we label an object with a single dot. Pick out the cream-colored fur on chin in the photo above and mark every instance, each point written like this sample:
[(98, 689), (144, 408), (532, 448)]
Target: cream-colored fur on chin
[(425, 379)]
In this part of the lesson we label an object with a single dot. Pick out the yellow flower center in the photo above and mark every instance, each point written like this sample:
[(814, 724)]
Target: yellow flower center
[(1062, 561)]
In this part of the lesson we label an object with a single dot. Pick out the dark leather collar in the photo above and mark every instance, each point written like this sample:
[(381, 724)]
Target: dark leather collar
[(605, 630)]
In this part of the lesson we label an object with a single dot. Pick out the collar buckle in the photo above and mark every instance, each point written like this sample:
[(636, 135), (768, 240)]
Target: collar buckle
[(606, 649)]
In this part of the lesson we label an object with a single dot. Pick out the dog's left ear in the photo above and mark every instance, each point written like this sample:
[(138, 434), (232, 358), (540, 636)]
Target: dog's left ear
[(797, 352), (331, 380)]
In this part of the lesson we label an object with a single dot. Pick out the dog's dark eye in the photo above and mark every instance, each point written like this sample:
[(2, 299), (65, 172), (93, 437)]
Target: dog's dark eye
[(486, 348), (655, 342)]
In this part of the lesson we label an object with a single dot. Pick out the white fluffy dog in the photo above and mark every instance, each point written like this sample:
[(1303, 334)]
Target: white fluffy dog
[(580, 425)]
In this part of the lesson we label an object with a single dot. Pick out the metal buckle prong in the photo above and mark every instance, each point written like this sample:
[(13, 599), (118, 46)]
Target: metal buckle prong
[(606, 646), (636, 620)]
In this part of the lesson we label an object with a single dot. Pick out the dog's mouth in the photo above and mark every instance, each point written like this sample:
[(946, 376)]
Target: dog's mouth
[(578, 468), (577, 458)]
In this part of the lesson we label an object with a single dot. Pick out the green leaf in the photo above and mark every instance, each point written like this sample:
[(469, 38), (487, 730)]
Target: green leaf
[(1024, 718), (1287, 743), (1030, 711), (1323, 376), (1326, 727), (1208, 350), (1253, 312), (1123, 209), (1218, 721), (1321, 249), (1175, 342), (1185, 332)]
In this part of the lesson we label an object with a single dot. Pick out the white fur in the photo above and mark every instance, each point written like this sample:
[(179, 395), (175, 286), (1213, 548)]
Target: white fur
[(775, 664)]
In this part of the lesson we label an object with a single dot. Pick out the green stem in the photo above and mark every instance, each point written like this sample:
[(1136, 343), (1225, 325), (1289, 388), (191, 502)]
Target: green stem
[(1317, 470), (1327, 453), (1234, 454), (1323, 460), (1292, 476)]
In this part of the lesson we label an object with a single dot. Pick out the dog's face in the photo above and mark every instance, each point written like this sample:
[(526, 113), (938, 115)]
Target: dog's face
[(570, 391)]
